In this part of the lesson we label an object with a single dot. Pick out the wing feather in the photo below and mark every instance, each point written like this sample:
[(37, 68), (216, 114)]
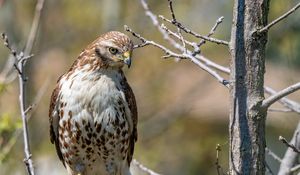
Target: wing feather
[(54, 120), (130, 98)]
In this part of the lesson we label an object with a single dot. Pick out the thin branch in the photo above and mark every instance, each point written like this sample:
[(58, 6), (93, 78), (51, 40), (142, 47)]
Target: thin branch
[(295, 168), (290, 157), (177, 46), (292, 146), (290, 104), (272, 99), (7, 44), (269, 169), (189, 31), (170, 53), (29, 111), (146, 42), (142, 168), (19, 66), (175, 21), (217, 163), (213, 30), (171, 9), (267, 27), (273, 155), (5, 75), (218, 149), (193, 44), (34, 27), (279, 110)]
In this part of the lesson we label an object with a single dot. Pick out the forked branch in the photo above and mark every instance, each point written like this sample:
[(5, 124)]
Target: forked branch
[(19, 66), (195, 34), (170, 53)]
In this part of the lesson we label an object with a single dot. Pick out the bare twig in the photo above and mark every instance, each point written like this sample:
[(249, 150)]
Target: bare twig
[(292, 146), (5, 75), (273, 155), (295, 168), (146, 42), (7, 44), (213, 30), (177, 46), (142, 168), (269, 101), (279, 110), (189, 31), (170, 53), (19, 65), (290, 157), (29, 111), (175, 21), (34, 27), (169, 32), (290, 104), (267, 27), (217, 163)]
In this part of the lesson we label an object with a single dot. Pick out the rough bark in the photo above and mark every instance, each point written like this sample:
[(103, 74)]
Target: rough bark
[(247, 116), (290, 157)]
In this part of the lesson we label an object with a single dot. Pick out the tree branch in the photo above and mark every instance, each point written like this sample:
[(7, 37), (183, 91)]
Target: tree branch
[(267, 27), (177, 46), (295, 168), (290, 145), (19, 66), (34, 27), (29, 111), (170, 53), (189, 31), (211, 32), (5, 77), (273, 155), (279, 110), (290, 104), (217, 163), (272, 99), (290, 157)]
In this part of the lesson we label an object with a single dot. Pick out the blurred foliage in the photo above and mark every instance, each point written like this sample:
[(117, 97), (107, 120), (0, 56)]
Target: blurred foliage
[(2, 88), (7, 124), (185, 145)]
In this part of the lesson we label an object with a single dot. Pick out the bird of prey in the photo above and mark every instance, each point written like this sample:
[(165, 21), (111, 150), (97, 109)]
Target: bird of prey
[(93, 113)]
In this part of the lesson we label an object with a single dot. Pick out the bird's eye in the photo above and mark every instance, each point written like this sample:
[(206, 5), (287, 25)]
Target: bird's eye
[(113, 50)]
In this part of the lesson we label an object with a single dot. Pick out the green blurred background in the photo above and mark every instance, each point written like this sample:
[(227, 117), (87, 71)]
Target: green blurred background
[(183, 112)]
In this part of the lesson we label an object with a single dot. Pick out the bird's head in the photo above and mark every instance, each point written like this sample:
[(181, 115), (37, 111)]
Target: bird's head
[(113, 49)]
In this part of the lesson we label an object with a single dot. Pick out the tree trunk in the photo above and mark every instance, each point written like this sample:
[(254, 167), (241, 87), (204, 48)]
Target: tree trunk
[(247, 117)]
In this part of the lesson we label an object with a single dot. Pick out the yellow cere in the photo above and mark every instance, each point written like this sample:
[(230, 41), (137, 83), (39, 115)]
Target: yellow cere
[(126, 54)]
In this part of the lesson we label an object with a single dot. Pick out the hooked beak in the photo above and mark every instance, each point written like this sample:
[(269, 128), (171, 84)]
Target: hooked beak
[(127, 59)]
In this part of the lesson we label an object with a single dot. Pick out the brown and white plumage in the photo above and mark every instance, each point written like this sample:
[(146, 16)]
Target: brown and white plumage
[(93, 114)]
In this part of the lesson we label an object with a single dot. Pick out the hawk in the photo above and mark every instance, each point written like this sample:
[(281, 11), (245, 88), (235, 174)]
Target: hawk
[(93, 113)]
